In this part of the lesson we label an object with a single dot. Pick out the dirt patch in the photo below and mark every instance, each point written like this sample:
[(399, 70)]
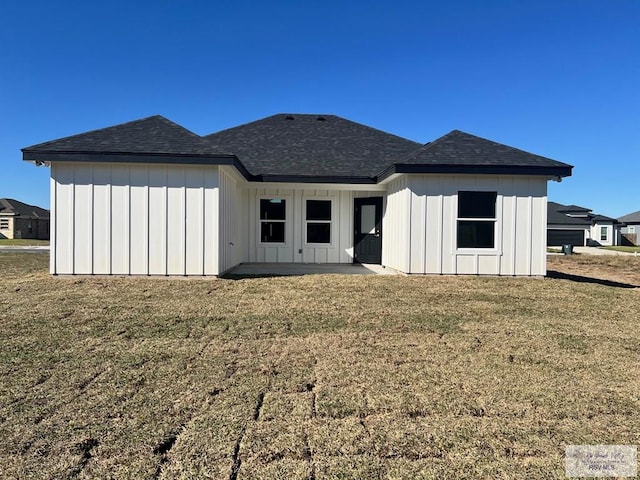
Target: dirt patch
[(620, 269)]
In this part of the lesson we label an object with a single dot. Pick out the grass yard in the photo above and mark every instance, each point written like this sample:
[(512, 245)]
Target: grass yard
[(316, 377)]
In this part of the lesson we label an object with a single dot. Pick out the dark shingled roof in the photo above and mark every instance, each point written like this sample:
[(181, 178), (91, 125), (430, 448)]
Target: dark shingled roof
[(575, 209), (295, 147), (152, 135), (556, 216), (603, 218), (294, 144), (459, 148), (631, 217), (9, 206)]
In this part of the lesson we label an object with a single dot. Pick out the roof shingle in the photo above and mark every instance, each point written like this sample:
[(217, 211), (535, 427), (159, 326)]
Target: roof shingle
[(10, 206), (556, 216), (154, 134), (459, 148), (631, 217), (295, 144), (296, 147)]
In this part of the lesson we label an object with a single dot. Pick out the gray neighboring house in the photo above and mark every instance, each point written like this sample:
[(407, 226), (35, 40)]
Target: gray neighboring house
[(19, 220), (579, 226), (630, 227)]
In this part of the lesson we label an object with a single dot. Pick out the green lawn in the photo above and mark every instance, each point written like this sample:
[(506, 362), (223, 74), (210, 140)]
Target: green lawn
[(22, 242), (315, 377)]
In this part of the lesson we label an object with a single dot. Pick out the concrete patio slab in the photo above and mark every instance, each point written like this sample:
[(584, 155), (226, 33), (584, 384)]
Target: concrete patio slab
[(599, 251), (277, 269), (25, 249)]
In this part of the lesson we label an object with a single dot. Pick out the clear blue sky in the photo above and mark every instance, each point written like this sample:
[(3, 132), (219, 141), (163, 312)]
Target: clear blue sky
[(560, 78)]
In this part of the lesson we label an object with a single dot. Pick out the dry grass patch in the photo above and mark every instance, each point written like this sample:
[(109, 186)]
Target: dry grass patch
[(316, 377), (624, 269), (22, 242)]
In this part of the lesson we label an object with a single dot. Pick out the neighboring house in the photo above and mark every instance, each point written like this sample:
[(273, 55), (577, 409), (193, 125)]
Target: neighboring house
[(19, 220), (631, 227), (579, 226), (152, 198)]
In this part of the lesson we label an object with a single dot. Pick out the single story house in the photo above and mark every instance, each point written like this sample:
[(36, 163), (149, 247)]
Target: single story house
[(579, 226), (149, 197), (631, 227), (19, 220)]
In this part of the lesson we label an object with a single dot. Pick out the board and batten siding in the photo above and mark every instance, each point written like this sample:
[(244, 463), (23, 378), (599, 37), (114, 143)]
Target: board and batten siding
[(233, 223), (420, 223), (396, 226), (131, 219), (295, 249)]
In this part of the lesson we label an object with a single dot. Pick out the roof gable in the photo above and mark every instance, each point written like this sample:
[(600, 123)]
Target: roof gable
[(151, 135), (631, 217), (9, 206), (460, 148)]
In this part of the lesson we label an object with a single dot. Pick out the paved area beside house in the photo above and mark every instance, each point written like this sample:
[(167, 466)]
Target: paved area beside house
[(598, 251), (259, 269), (27, 249)]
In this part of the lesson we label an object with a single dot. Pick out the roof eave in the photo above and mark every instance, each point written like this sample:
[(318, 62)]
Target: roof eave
[(345, 179), (546, 170), (45, 157)]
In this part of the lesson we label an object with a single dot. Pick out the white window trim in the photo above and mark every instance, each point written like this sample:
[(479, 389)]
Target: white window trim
[(5, 221), (286, 221), (604, 230), (331, 222), (497, 221)]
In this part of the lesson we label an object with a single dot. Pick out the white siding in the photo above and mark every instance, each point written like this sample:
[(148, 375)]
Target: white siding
[(83, 213), (420, 223), (396, 229), (134, 219), (596, 233), (176, 221), (53, 195), (193, 222), (233, 219), (295, 249), (119, 217), (190, 220), (158, 221), (138, 220), (62, 221), (211, 212)]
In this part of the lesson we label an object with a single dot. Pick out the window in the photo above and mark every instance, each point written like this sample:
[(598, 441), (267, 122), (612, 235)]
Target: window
[(4, 224), (273, 214), (318, 221), (603, 234), (476, 219)]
